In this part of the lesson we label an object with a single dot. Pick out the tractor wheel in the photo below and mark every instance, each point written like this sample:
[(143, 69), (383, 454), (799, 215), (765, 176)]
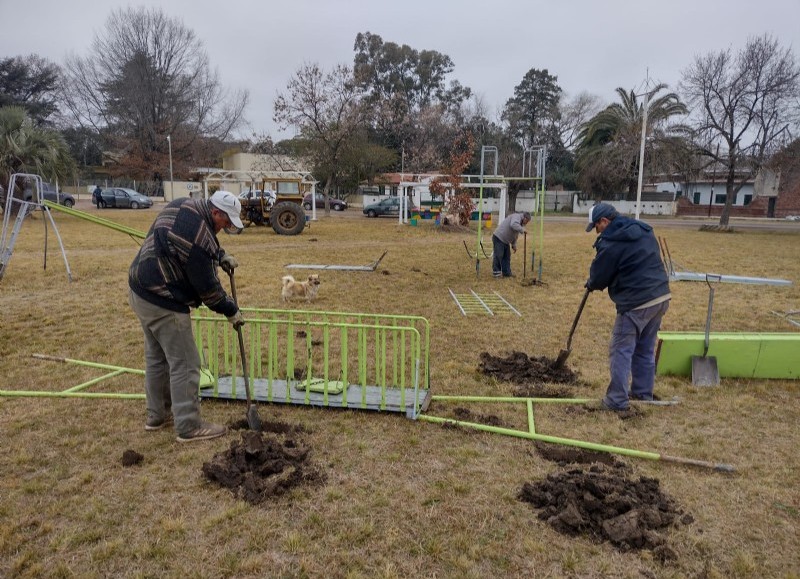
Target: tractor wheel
[(287, 218)]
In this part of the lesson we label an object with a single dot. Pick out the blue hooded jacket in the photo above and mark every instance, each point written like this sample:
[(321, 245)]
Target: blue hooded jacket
[(628, 263)]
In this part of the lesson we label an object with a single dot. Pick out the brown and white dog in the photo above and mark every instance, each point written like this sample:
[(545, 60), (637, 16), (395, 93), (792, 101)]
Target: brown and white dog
[(300, 289)]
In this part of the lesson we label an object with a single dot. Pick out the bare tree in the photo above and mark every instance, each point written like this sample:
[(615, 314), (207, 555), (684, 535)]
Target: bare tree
[(574, 112), (327, 110), (746, 101), (148, 76)]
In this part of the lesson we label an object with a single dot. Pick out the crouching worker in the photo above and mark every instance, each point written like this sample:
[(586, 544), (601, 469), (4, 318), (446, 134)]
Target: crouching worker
[(175, 270), (504, 242), (628, 263)]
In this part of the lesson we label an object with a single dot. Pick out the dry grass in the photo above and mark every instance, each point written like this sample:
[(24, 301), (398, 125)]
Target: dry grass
[(402, 498)]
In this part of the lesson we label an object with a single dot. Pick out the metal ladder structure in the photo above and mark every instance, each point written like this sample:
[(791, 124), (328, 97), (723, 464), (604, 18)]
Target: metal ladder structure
[(10, 232), (472, 303)]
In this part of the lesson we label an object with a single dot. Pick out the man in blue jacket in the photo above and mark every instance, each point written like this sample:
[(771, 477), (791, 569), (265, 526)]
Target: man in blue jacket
[(628, 263)]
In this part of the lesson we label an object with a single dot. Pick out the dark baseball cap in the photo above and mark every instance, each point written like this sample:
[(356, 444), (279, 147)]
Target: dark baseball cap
[(599, 211)]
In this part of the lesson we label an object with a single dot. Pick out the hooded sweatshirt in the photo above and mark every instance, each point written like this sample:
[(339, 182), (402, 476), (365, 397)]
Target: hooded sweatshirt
[(628, 263)]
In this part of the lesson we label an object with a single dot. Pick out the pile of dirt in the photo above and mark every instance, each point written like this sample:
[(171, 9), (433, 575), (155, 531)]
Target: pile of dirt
[(131, 458), (605, 505), (533, 374), (260, 467)]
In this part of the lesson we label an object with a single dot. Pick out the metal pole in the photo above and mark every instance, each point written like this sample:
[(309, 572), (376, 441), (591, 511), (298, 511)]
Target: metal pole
[(641, 155), (171, 186), (541, 160)]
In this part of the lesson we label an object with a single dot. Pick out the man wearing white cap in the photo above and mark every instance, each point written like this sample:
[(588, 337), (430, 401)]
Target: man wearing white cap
[(175, 270), (628, 264)]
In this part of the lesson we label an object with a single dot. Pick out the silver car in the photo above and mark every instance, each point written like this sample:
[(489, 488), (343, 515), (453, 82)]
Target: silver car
[(120, 197)]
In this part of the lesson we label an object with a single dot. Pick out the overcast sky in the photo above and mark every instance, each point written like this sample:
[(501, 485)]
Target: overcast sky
[(592, 45)]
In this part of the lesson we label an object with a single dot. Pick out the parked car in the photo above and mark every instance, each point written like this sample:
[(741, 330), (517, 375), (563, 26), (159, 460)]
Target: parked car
[(50, 193), (319, 201), (390, 206), (119, 197)]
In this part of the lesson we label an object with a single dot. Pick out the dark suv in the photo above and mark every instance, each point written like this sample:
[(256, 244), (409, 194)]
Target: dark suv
[(50, 193), (319, 201)]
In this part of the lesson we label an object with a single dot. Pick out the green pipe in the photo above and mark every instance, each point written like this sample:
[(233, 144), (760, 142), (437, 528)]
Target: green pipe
[(95, 381), (531, 425), (442, 398), (546, 438), (40, 394), (581, 444), (96, 220), (88, 364)]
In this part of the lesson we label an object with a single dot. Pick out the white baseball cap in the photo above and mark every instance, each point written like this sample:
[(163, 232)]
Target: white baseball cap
[(227, 202)]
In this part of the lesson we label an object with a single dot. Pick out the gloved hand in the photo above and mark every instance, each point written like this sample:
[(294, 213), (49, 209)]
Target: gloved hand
[(587, 286), (236, 320), (228, 263)]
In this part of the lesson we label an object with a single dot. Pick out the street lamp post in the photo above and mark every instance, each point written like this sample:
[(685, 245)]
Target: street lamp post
[(171, 190)]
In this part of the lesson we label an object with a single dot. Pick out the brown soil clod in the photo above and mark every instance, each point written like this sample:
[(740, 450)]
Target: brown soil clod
[(520, 368), (261, 467), (605, 505), (131, 458)]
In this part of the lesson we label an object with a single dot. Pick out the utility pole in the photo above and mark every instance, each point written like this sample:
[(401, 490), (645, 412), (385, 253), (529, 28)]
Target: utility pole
[(171, 186)]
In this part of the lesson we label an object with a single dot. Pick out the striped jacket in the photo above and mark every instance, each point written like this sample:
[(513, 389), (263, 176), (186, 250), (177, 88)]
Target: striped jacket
[(176, 267)]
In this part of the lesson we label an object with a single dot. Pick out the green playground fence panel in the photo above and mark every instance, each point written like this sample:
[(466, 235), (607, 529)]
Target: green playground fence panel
[(739, 355), (383, 356)]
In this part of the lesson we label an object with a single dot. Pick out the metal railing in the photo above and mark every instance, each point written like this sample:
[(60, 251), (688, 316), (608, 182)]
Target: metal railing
[(350, 360)]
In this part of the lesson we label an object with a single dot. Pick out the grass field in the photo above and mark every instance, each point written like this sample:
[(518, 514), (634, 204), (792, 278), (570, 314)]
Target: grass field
[(401, 498)]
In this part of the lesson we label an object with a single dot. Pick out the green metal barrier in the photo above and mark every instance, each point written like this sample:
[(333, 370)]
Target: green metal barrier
[(348, 360)]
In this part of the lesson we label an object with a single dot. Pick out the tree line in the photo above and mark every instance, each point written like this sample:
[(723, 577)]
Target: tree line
[(147, 77)]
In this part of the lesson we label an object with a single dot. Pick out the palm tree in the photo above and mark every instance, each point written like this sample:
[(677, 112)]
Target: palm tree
[(607, 154), (26, 148)]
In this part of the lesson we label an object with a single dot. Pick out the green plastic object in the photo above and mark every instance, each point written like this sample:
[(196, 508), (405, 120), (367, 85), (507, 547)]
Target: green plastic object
[(739, 355), (318, 385)]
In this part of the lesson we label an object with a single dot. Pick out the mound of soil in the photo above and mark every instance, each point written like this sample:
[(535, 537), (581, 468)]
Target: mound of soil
[(532, 372), (131, 458), (605, 505), (260, 467)]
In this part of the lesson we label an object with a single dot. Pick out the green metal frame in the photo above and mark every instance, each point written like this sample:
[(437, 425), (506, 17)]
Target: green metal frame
[(531, 433), (383, 351), (739, 355), (78, 390), (135, 233)]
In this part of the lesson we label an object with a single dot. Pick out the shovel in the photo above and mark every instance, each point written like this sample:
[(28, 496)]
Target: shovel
[(704, 368), (253, 420), (564, 354)]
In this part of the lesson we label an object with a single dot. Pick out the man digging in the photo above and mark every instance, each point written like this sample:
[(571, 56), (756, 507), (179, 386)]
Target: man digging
[(175, 270), (628, 263)]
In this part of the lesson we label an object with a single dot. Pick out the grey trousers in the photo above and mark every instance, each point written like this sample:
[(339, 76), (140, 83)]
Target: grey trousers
[(172, 364)]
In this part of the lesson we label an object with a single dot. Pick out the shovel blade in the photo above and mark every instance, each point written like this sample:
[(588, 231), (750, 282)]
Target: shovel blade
[(705, 371), (562, 359), (253, 419)]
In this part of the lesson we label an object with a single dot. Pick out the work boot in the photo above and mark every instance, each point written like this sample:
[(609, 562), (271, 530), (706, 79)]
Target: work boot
[(205, 431)]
